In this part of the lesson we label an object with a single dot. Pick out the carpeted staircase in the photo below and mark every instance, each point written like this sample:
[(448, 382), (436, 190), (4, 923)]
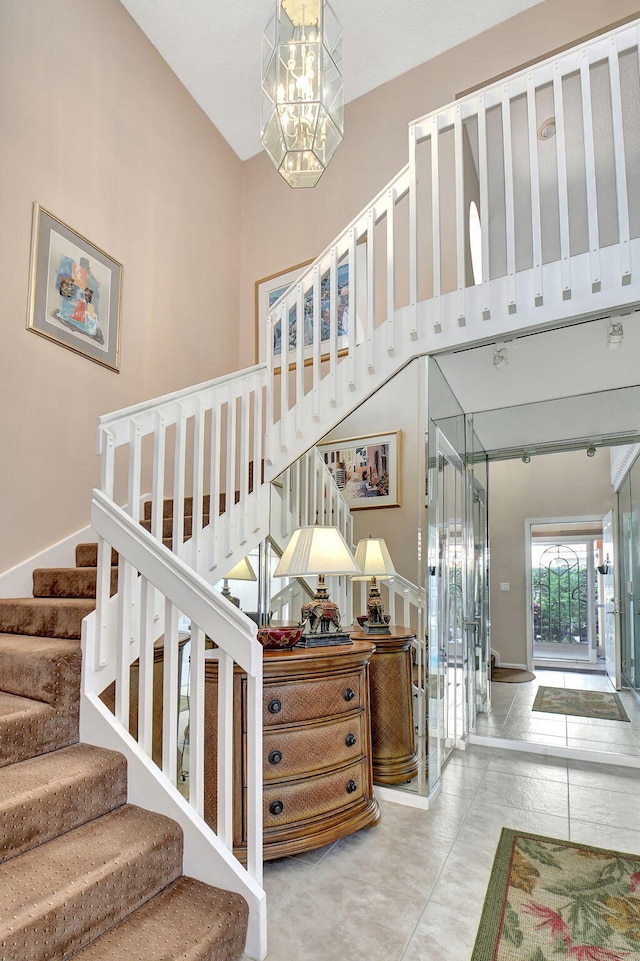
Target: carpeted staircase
[(83, 874)]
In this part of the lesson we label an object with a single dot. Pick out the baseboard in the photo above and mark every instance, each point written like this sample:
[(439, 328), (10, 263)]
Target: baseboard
[(18, 580)]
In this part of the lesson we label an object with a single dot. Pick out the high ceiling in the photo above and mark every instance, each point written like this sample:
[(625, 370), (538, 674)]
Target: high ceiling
[(215, 47)]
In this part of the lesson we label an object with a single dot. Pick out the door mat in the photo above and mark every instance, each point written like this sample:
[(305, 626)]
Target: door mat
[(511, 675), (549, 899), (562, 700)]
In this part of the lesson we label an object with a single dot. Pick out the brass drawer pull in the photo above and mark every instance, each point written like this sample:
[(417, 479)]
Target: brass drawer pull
[(275, 706), (349, 694), (275, 757), (351, 787), (276, 807), (350, 740)]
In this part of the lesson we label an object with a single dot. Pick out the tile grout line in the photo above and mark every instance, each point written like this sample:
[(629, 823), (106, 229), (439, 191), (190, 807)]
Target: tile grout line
[(435, 883)]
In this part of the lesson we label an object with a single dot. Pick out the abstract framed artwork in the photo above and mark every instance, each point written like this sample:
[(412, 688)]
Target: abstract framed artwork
[(75, 291), (366, 469), (270, 289)]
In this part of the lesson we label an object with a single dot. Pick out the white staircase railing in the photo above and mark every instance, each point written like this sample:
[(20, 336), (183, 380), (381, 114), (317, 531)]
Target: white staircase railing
[(559, 238), (559, 241), (154, 586)]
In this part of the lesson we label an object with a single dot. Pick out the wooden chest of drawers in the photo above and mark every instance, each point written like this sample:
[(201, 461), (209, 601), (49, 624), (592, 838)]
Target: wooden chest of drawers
[(318, 783)]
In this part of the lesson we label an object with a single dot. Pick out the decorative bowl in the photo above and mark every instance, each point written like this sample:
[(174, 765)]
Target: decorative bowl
[(274, 638)]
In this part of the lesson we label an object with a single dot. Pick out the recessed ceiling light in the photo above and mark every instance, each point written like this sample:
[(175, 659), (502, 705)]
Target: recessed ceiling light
[(547, 129)]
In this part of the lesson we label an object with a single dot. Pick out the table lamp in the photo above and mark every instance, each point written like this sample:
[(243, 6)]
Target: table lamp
[(243, 571), (373, 559), (318, 550)]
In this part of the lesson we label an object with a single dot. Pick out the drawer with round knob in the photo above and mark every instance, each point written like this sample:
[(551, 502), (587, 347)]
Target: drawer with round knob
[(312, 797), (291, 751), (317, 698)]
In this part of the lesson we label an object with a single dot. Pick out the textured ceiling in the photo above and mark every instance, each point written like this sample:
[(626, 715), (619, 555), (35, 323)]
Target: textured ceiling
[(215, 47)]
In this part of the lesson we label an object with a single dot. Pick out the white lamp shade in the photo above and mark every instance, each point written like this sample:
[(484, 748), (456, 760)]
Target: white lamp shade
[(373, 559), (316, 550), (243, 571)]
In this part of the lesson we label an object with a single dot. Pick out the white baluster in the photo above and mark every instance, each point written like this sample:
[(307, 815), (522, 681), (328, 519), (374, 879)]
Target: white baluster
[(145, 667), (333, 324), (371, 291), (391, 273), (413, 234), (170, 693), (534, 175), (461, 232), (620, 163), (196, 720), (284, 374), (435, 218), (590, 173), (317, 345), (230, 483), (483, 177), (509, 206), (198, 482), (177, 545), (157, 481), (225, 749), (563, 192), (353, 308), (301, 338)]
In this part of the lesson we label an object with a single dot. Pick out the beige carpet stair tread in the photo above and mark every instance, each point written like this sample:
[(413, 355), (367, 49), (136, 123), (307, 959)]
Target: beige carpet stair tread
[(87, 555), (43, 616), (67, 892), (69, 581), (188, 921), (40, 667), (29, 728), (49, 795)]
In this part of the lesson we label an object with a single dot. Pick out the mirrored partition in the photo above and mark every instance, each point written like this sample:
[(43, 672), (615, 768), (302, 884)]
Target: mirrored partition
[(457, 576)]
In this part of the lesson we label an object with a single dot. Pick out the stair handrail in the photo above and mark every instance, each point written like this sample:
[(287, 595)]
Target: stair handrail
[(159, 585)]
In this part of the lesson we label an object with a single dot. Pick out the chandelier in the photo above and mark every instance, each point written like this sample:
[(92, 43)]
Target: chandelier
[(302, 92)]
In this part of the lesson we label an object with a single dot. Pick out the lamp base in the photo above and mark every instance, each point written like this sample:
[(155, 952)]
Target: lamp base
[(323, 640)]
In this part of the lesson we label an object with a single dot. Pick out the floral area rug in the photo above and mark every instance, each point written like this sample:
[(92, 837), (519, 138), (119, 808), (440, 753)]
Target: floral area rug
[(563, 700), (550, 900)]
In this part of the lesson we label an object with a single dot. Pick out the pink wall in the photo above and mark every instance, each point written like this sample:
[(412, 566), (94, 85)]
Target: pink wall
[(98, 130)]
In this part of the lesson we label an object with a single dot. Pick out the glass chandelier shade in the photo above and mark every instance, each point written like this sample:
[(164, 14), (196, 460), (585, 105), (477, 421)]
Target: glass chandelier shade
[(302, 91)]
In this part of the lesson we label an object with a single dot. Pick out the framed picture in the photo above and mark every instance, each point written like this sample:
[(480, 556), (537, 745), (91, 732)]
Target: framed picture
[(366, 469), (75, 290), (270, 289)]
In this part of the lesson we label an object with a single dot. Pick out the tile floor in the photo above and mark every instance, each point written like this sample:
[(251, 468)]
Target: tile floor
[(412, 888), (511, 715)]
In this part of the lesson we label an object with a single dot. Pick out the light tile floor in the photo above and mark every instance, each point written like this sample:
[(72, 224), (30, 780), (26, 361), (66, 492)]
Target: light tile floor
[(412, 888), (511, 716)]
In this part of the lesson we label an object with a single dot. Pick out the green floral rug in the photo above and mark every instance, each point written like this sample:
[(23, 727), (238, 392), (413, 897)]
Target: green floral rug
[(551, 900), (562, 700)]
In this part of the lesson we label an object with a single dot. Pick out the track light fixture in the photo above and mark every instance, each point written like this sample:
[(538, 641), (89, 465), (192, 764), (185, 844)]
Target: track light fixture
[(500, 359), (526, 458), (615, 335), (591, 451)]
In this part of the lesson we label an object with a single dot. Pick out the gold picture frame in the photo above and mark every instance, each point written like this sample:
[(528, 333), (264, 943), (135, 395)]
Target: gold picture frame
[(269, 289), (75, 291), (366, 469)]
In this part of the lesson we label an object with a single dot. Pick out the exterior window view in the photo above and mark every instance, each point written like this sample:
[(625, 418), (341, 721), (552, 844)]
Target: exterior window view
[(319, 575)]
